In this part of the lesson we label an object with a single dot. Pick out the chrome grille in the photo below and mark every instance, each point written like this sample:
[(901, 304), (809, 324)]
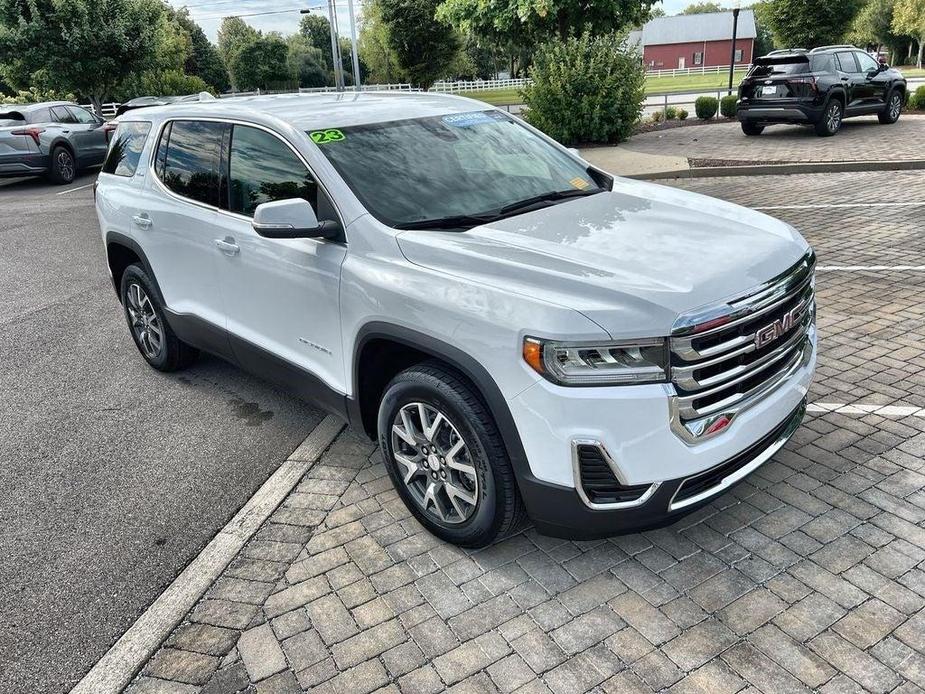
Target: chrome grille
[(726, 357)]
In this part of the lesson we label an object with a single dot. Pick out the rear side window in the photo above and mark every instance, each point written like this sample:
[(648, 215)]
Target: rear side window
[(264, 169), (846, 62), (191, 159), (62, 115), (765, 67), (125, 151)]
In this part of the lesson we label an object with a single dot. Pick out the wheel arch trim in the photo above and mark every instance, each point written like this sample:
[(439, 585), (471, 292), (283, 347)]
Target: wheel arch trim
[(456, 358), (115, 238)]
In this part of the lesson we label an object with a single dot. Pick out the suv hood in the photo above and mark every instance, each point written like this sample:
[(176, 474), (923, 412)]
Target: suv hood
[(632, 259)]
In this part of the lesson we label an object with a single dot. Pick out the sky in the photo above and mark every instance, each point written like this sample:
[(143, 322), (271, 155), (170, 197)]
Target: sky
[(283, 15)]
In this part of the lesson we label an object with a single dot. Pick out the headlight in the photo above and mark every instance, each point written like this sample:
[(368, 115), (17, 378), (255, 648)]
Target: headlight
[(599, 363)]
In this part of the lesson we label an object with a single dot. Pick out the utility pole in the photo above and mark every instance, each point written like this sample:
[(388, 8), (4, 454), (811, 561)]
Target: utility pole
[(353, 42), (732, 58), (335, 46)]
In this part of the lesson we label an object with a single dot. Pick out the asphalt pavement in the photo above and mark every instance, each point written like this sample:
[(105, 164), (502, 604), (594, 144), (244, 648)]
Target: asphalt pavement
[(112, 476)]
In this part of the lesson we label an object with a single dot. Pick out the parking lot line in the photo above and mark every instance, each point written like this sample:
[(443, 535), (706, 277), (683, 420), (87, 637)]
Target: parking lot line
[(119, 665), (73, 190), (839, 205), (861, 408)]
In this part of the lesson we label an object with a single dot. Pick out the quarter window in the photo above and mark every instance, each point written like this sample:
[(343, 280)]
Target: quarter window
[(125, 150), (263, 169), (191, 160)]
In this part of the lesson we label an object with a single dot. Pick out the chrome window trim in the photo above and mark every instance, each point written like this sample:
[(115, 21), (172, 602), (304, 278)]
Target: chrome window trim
[(741, 472), (236, 121), (576, 471)]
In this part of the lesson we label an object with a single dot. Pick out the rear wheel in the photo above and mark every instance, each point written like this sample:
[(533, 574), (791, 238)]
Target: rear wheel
[(831, 119), (893, 109), (446, 458), (63, 168), (144, 314), (752, 129)]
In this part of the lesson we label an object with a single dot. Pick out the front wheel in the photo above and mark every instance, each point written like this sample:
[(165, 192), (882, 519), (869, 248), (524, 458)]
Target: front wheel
[(894, 107), (446, 458), (831, 119), (752, 129)]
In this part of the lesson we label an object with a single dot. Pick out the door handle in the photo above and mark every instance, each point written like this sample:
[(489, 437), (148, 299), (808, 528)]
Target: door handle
[(143, 221), (227, 246)]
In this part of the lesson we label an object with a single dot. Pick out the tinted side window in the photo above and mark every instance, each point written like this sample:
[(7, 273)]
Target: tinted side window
[(82, 115), (264, 169), (40, 115), (866, 62), (62, 115), (823, 63), (846, 62), (191, 166), (125, 150)]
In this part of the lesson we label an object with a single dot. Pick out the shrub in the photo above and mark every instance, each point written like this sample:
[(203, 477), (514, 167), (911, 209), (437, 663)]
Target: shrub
[(705, 107), (657, 117), (682, 114), (671, 113), (586, 89), (917, 100), (727, 105)]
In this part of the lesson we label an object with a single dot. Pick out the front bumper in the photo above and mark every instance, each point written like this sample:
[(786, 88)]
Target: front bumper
[(633, 428)]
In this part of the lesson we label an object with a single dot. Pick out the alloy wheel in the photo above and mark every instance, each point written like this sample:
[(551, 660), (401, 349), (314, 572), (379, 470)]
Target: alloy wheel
[(833, 117), (65, 164), (435, 463), (896, 105), (145, 324)]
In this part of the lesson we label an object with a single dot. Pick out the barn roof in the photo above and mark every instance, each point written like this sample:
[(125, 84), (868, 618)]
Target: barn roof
[(690, 28)]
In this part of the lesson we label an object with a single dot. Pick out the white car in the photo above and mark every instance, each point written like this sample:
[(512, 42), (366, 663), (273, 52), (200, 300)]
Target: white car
[(523, 333)]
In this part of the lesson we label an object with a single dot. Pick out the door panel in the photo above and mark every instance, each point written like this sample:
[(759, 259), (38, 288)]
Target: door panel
[(281, 295), (875, 81), (855, 83), (92, 137)]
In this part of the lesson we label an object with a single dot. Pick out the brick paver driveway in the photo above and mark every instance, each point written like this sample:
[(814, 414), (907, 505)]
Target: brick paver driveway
[(807, 576), (860, 139)]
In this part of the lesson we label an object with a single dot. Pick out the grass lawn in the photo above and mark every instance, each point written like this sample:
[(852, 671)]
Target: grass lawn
[(912, 71)]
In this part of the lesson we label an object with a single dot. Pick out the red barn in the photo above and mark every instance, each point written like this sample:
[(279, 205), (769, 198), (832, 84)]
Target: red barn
[(695, 40)]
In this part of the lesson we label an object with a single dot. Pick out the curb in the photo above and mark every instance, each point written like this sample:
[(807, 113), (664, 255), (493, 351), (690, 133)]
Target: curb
[(784, 169), (116, 669)]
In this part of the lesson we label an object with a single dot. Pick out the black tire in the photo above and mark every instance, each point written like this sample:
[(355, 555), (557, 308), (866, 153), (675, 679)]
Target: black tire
[(498, 510), (752, 129), (172, 353), (63, 167), (893, 108), (830, 121)]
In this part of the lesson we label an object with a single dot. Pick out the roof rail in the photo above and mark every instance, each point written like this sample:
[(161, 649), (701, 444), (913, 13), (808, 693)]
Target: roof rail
[(838, 45), (784, 51)]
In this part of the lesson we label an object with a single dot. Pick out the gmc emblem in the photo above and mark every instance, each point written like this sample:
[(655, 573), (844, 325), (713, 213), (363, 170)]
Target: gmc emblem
[(787, 322)]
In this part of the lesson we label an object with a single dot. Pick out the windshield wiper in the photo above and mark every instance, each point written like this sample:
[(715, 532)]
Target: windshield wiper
[(554, 196), (459, 221)]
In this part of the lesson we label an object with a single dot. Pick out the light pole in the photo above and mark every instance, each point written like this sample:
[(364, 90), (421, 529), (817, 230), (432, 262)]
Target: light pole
[(353, 42), (732, 57), (335, 47)]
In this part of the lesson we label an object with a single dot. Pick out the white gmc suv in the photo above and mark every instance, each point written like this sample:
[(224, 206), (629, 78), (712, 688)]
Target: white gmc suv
[(524, 333)]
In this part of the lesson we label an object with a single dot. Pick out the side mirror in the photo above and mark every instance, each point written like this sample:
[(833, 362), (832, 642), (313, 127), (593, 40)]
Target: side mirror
[(292, 219)]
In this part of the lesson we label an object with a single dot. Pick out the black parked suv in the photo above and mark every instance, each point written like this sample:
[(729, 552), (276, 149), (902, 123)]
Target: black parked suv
[(820, 87)]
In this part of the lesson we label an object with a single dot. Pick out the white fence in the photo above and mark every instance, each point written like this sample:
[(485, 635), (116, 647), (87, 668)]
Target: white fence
[(479, 85), (685, 71)]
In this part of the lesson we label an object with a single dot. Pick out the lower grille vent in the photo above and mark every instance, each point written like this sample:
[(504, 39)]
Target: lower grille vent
[(598, 481)]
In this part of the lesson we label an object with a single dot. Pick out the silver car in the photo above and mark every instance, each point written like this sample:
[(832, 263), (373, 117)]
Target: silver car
[(54, 139)]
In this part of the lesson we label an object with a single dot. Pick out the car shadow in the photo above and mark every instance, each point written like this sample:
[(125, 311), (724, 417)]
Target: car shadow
[(40, 184)]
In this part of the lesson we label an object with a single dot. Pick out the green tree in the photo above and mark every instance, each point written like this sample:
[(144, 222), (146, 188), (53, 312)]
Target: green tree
[(317, 29), (261, 63), (233, 35), (424, 46), (586, 89), (306, 63), (810, 23), (909, 18), (85, 46), (204, 59), (702, 8), (375, 48), (523, 21)]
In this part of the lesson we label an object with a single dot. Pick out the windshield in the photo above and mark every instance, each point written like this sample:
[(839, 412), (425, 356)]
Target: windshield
[(461, 169)]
